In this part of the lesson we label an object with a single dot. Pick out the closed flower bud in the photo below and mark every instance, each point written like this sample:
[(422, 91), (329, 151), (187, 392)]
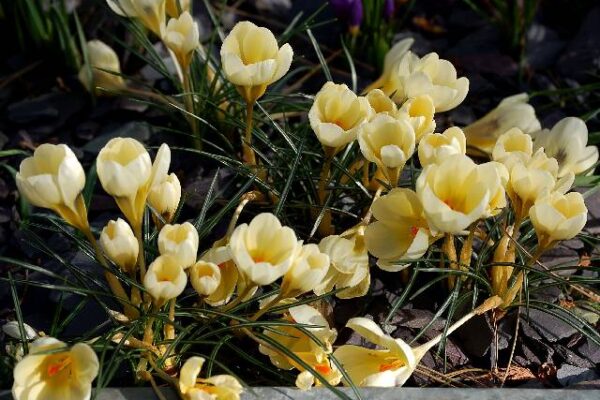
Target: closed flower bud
[(558, 217), (337, 113), (102, 59), (173, 9), (389, 143), (182, 37), (205, 277), (126, 172), (120, 245), (381, 103), (53, 178), (165, 279), (179, 241), (567, 142), (217, 387), (390, 65), (512, 112), (151, 13), (263, 250), (252, 59), (436, 147), (51, 370), (349, 12), (419, 112), (164, 197), (308, 270), (400, 232)]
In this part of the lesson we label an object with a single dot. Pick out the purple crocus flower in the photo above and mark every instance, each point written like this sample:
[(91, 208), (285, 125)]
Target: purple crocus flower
[(389, 7), (348, 11)]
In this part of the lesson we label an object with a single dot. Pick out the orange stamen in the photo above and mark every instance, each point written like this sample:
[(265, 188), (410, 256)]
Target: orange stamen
[(323, 368), (390, 366), (55, 368), (413, 231)]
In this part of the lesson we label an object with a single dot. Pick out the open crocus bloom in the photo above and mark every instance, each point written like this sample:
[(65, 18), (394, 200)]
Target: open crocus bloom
[(567, 142), (308, 270), (221, 257), (419, 111), (394, 361), (205, 277), (263, 250), (558, 217), (513, 143), (435, 147), (252, 60), (217, 387), (52, 371), (151, 13), (165, 279), (381, 103), (179, 241), (337, 113), (53, 178), (401, 230), (512, 112)]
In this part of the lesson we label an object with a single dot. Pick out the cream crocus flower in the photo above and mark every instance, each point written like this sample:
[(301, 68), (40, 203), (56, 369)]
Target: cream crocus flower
[(381, 103), (401, 230), (53, 178), (389, 143), (205, 277), (51, 370), (179, 241), (336, 114), (120, 245), (103, 69), (164, 197), (252, 59), (567, 142), (394, 361), (435, 147), (299, 342), (308, 270), (390, 65), (558, 217), (165, 279), (173, 9), (151, 13), (349, 268), (457, 192), (182, 37), (419, 111), (217, 387), (263, 250), (512, 112), (221, 256), (514, 143), (126, 173)]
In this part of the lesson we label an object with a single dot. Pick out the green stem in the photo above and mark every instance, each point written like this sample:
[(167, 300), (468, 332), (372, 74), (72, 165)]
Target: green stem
[(189, 106), (325, 227)]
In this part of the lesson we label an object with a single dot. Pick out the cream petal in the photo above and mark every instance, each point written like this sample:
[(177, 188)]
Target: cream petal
[(189, 373), (284, 61)]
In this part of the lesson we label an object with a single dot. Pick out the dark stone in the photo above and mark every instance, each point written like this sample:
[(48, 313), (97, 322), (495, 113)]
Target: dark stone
[(569, 375), (550, 327)]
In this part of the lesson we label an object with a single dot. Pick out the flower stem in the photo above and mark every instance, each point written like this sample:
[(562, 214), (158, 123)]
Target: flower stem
[(248, 154), (449, 250), (325, 227), (170, 327), (189, 107)]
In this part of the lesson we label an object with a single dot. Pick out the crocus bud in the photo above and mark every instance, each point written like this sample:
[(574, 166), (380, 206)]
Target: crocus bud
[(308, 270), (205, 277), (182, 37), (164, 197), (389, 143), (179, 241), (263, 250), (349, 12), (435, 147), (51, 370), (53, 178), (172, 8), (102, 59), (252, 59), (165, 279), (151, 13), (558, 217), (336, 114), (126, 173), (120, 245)]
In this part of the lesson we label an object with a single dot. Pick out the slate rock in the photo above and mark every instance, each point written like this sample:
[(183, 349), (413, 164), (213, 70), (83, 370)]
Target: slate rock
[(549, 326), (135, 129), (570, 374), (582, 53)]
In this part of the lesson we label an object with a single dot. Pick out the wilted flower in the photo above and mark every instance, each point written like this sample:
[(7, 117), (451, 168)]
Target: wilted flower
[(101, 59), (217, 387), (182, 37), (126, 173), (221, 256), (51, 370), (151, 13), (53, 178), (179, 241), (436, 147), (165, 279), (263, 250), (164, 197), (389, 143), (172, 8), (567, 142), (558, 217), (308, 270), (349, 266), (512, 112), (120, 245), (401, 230), (205, 277), (419, 111), (349, 12), (336, 114), (252, 59)]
